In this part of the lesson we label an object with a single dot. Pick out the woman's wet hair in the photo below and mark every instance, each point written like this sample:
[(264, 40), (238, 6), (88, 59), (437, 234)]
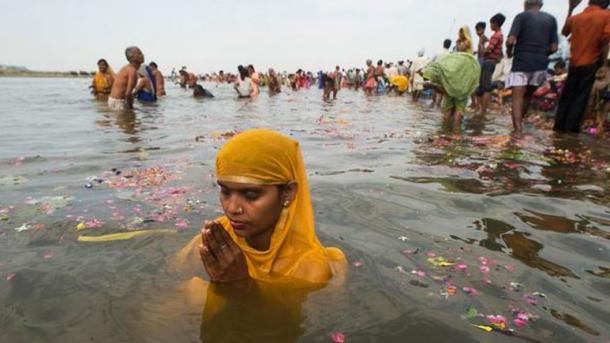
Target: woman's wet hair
[(102, 61)]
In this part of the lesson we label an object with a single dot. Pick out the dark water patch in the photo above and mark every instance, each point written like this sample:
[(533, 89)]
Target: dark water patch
[(573, 321), (527, 251)]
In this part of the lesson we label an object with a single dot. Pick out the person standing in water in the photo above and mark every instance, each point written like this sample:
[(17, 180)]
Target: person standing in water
[(464, 41), (121, 96), (158, 79), (102, 81), (243, 85), (589, 34), (532, 38), (275, 85), (256, 80), (146, 90), (268, 230), (338, 79), (491, 57), (370, 84), (417, 81)]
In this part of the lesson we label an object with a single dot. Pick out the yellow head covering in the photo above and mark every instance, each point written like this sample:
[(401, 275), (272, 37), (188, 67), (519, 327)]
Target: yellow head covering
[(265, 157), (465, 30)]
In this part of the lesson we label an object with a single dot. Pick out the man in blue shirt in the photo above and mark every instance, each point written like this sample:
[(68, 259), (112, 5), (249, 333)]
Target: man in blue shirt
[(533, 37)]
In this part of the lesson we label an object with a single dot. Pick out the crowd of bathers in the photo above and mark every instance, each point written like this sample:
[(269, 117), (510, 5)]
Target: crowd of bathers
[(525, 69)]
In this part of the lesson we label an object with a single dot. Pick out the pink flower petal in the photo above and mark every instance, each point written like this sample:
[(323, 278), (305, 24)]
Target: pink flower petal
[(470, 290), (484, 269), (530, 300), (519, 322), (181, 223), (358, 264), (461, 266), (10, 277), (337, 337), (47, 256), (430, 254)]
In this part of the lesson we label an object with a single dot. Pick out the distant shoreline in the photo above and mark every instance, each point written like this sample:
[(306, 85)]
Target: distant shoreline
[(48, 74)]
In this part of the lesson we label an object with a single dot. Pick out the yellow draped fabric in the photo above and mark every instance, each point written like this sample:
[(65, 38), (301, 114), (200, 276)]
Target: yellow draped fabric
[(266, 157), (100, 81), (468, 37), (295, 264), (401, 82)]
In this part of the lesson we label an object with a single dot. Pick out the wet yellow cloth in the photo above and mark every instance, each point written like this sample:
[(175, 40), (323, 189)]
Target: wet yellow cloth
[(266, 157), (468, 37), (122, 236), (401, 82), (101, 83)]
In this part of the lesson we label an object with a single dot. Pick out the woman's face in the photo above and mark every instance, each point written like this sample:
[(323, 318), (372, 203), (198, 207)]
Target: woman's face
[(253, 209), (102, 67)]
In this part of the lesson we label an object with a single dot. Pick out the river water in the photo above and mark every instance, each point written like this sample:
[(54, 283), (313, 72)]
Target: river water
[(441, 230)]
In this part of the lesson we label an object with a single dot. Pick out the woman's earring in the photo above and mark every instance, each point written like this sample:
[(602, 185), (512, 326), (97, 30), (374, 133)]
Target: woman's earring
[(286, 203)]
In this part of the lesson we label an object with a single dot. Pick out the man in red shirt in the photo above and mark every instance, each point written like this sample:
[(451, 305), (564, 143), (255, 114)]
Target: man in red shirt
[(491, 56), (590, 35)]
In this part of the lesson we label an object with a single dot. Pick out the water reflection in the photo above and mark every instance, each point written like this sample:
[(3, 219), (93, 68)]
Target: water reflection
[(527, 251), (126, 121)]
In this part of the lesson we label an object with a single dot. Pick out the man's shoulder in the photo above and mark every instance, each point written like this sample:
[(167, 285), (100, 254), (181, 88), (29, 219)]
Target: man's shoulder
[(547, 16)]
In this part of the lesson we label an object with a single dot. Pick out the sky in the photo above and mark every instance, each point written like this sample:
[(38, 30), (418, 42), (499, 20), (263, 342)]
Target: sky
[(206, 36)]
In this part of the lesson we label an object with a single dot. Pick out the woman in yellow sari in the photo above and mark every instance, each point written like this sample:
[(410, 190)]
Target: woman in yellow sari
[(464, 42), (102, 81), (263, 256)]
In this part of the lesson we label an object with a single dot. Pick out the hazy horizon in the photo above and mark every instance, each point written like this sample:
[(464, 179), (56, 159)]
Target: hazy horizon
[(210, 36)]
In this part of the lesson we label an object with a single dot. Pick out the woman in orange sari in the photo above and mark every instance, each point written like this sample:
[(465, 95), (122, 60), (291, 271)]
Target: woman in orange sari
[(263, 256), (102, 81)]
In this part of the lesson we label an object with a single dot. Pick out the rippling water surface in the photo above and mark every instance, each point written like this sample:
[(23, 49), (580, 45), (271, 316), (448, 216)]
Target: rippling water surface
[(441, 230)]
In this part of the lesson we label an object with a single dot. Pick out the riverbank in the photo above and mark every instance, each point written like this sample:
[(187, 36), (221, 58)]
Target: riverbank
[(33, 74)]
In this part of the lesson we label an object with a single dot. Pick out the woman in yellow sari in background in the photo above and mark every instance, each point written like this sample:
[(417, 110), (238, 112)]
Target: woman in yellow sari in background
[(263, 257), (464, 42), (102, 81)]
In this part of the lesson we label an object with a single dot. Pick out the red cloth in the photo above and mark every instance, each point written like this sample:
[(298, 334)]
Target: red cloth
[(494, 48)]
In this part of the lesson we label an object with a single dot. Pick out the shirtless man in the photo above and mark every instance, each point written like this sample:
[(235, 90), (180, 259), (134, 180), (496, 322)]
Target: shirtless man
[(158, 79), (121, 96)]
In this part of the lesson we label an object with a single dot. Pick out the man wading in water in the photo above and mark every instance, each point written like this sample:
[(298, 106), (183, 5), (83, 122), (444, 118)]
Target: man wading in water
[(121, 96)]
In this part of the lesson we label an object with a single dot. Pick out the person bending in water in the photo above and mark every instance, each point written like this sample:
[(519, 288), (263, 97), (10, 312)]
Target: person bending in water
[(200, 92), (102, 81), (456, 76), (158, 79), (121, 95), (268, 231)]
